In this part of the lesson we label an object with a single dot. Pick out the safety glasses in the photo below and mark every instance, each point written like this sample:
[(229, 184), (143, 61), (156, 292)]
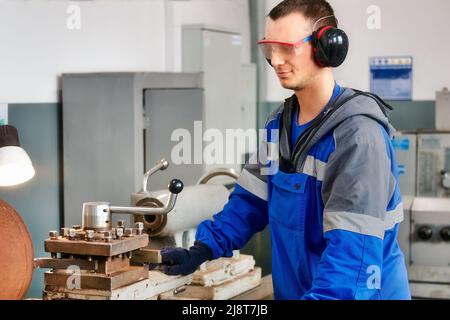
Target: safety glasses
[(284, 50)]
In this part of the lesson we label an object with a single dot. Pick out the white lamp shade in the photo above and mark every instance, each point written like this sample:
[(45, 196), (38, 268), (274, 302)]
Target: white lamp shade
[(15, 166)]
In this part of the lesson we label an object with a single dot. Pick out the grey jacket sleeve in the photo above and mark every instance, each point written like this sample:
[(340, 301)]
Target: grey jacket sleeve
[(358, 182)]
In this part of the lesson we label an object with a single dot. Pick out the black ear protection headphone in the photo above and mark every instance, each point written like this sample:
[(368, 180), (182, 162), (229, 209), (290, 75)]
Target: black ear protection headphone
[(330, 45)]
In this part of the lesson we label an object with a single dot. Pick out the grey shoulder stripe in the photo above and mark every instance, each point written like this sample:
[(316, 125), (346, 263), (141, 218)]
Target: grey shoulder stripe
[(354, 222), (394, 216), (314, 168), (253, 184)]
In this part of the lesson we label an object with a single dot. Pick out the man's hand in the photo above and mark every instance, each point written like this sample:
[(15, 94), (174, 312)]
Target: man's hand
[(179, 261)]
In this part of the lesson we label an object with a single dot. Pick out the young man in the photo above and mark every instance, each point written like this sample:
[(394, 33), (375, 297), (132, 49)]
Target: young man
[(334, 205)]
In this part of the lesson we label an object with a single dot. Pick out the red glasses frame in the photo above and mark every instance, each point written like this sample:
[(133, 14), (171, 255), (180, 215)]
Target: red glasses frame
[(290, 44)]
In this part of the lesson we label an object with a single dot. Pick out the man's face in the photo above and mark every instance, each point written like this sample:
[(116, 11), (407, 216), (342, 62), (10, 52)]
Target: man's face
[(295, 70)]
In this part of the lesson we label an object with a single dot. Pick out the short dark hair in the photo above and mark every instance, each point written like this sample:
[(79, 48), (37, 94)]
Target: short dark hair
[(312, 9)]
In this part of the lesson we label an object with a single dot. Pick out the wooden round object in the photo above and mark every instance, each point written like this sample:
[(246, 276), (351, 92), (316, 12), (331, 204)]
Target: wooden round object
[(16, 254)]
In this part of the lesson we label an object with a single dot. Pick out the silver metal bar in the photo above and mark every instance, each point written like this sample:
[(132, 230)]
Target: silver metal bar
[(160, 165), (147, 211), (218, 172), (97, 215)]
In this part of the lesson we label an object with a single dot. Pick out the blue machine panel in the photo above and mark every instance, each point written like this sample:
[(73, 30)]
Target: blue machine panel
[(391, 77)]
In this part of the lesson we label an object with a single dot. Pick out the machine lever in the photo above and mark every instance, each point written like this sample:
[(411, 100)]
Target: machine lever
[(175, 187), (161, 165), (97, 215)]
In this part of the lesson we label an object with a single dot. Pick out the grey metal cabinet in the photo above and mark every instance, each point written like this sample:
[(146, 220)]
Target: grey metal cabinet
[(230, 87)]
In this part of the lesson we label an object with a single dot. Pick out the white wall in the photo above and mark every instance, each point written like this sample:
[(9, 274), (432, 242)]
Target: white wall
[(115, 35), (38, 46), (408, 27)]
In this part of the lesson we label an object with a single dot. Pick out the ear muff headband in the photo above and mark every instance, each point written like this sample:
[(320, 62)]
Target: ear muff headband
[(322, 31)]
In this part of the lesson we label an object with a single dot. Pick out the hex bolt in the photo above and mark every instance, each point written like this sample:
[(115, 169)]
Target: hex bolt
[(107, 236), (72, 234), (228, 269), (53, 235), (119, 233), (90, 235), (128, 232), (139, 226), (120, 223)]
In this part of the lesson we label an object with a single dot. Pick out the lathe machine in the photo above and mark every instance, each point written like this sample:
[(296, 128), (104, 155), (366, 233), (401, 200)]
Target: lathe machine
[(98, 260)]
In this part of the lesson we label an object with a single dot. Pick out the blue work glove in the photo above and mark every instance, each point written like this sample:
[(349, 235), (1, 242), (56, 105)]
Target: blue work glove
[(179, 261)]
